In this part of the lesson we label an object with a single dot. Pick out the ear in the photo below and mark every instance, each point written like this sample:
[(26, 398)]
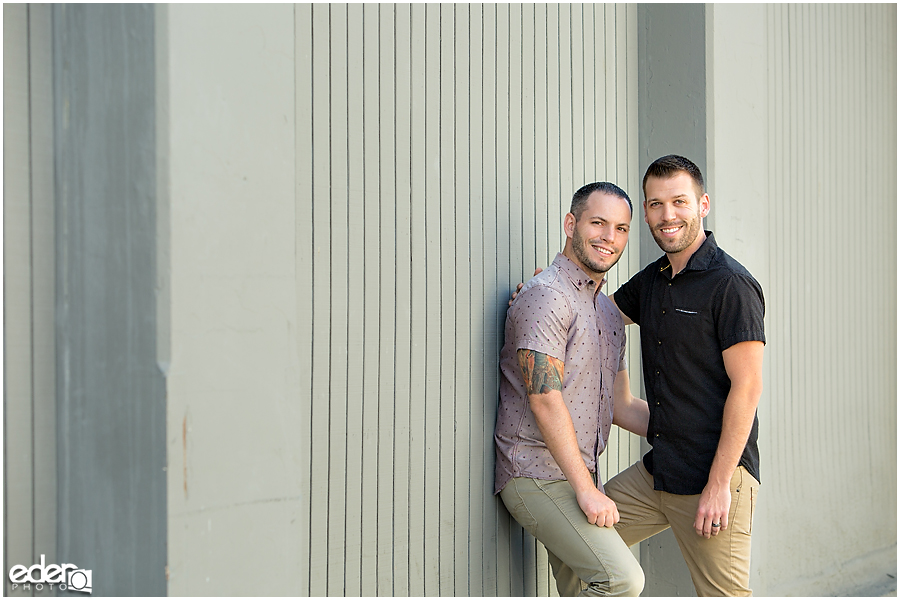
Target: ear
[(704, 205), (569, 225)]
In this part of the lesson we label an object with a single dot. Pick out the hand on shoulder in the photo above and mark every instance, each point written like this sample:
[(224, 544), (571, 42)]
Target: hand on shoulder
[(519, 287)]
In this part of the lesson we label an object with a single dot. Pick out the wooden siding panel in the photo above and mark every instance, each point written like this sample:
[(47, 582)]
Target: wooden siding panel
[(464, 403), (567, 155), (509, 537), (530, 214), (591, 105), (339, 268), (576, 85), (556, 196), (405, 395), (368, 214), (479, 496), (359, 459), (320, 367), (442, 147), (382, 29), (490, 334), (446, 196), (431, 248), (417, 433), (542, 249)]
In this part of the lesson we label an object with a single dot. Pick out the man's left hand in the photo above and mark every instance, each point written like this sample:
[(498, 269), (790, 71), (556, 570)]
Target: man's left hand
[(712, 510)]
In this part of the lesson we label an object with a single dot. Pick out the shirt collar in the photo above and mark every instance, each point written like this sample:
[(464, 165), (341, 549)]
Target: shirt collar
[(699, 260), (579, 278)]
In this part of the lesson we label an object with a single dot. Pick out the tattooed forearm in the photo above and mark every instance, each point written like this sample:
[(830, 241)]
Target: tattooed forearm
[(542, 373)]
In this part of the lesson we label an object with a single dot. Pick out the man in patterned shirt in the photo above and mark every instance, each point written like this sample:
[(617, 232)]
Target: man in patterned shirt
[(555, 414)]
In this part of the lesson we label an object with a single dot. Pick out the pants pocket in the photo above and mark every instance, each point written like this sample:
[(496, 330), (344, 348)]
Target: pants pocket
[(744, 499), (516, 505), (753, 493)]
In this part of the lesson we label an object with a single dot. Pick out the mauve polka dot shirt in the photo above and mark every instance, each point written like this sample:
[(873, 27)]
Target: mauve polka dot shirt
[(559, 313)]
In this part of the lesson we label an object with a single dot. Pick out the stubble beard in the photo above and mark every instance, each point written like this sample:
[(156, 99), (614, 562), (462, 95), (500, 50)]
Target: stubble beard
[(687, 237), (590, 262)]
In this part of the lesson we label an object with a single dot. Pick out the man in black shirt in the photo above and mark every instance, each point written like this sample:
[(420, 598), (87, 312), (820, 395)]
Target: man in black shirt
[(701, 322)]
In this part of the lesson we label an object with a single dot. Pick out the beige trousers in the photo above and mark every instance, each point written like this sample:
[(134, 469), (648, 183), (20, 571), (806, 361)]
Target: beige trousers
[(578, 551), (720, 565)]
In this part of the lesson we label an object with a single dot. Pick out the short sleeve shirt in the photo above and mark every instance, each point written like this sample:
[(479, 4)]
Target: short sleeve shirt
[(686, 321), (560, 313)]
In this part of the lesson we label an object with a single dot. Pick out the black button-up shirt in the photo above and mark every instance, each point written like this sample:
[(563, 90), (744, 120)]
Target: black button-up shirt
[(686, 321)]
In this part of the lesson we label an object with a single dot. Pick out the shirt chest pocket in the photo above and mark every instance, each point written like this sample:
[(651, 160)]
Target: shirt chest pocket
[(689, 318), (609, 350)]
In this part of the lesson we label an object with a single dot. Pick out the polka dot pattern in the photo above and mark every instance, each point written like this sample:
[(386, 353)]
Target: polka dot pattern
[(557, 314)]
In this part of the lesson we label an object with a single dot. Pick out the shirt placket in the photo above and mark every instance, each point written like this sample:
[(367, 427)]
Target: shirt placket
[(591, 308), (667, 304)]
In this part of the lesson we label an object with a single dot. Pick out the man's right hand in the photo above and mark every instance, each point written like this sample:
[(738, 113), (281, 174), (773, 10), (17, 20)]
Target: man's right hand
[(543, 375), (599, 509), (519, 287)]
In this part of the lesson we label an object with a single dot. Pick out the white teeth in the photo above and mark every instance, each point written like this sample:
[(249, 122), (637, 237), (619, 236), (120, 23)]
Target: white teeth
[(670, 230), (603, 251)]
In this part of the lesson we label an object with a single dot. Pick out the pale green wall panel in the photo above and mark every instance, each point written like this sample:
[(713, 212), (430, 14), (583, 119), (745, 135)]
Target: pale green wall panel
[(238, 398), (450, 157), (18, 540)]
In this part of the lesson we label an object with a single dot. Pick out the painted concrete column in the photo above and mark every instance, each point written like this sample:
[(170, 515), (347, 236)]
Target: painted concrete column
[(672, 120), (110, 391)]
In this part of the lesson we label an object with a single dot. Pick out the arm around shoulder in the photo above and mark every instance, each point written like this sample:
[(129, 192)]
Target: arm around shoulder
[(629, 413), (625, 317)]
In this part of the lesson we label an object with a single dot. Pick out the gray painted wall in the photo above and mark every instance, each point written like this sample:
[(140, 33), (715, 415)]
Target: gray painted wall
[(110, 392), (671, 91)]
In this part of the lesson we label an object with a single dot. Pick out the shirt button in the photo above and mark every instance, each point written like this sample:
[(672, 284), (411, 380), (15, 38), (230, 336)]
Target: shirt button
[(659, 342), (664, 311)]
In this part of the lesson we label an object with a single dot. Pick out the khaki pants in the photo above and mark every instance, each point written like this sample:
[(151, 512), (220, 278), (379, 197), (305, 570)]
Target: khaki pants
[(720, 565), (578, 551)]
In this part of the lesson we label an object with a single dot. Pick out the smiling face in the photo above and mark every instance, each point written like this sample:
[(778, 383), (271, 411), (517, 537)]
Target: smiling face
[(673, 210), (596, 240)]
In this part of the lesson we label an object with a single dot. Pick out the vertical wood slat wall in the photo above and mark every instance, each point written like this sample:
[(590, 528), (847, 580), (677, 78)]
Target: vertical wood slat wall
[(29, 289), (831, 300), (437, 149)]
